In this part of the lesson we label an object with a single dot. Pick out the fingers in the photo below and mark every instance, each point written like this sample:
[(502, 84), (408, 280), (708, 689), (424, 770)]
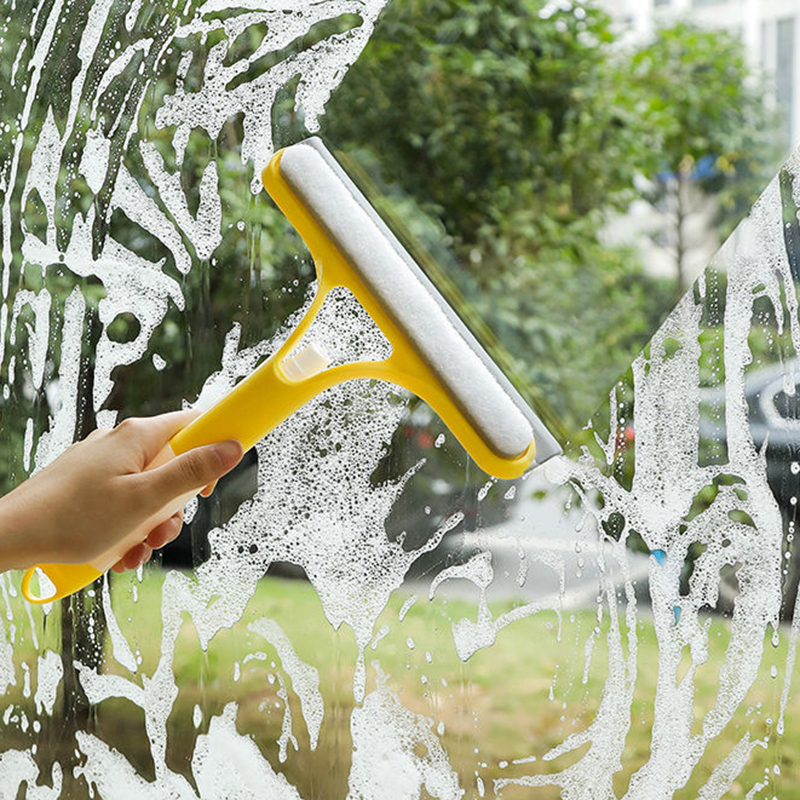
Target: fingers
[(165, 532), (152, 433), (134, 558), (160, 535), (191, 471), (207, 491)]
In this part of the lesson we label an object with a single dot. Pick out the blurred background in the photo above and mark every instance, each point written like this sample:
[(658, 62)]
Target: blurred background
[(571, 168)]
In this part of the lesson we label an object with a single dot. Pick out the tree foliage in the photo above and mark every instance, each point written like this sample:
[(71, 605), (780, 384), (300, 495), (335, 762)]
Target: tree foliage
[(702, 99), (498, 119), (516, 130), (709, 129)]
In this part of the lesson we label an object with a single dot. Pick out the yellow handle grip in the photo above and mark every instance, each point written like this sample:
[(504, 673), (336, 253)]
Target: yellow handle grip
[(257, 404), (59, 580), (253, 408)]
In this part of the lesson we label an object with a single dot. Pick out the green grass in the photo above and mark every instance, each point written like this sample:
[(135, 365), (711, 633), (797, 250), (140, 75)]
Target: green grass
[(495, 708)]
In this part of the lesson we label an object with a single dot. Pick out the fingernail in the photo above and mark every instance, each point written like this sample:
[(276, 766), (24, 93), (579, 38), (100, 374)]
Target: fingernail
[(229, 452)]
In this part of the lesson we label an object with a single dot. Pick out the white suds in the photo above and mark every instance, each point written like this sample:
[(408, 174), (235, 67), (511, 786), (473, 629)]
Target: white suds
[(396, 754)]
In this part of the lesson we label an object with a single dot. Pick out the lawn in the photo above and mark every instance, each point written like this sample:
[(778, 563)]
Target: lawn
[(514, 700)]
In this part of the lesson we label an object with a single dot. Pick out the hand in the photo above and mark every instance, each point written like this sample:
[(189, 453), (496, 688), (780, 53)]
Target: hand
[(99, 490)]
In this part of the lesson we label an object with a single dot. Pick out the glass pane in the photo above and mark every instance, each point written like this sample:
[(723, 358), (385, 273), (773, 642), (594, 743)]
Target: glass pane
[(358, 610)]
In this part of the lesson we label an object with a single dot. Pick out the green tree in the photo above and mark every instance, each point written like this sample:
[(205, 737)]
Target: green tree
[(513, 130), (709, 130)]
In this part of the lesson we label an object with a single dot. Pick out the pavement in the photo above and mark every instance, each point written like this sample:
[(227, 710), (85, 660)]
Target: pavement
[(546, 549)]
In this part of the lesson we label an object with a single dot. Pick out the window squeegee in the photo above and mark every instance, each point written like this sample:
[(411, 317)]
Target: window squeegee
[(433, 354)]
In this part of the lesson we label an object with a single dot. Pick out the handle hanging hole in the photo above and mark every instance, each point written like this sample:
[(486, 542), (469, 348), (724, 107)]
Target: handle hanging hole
[(37, 586)]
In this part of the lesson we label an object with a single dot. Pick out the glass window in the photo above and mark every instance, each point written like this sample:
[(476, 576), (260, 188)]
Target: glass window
[(358, 610)]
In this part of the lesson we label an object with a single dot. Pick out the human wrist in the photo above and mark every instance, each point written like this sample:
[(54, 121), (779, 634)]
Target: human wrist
[(18, 548)]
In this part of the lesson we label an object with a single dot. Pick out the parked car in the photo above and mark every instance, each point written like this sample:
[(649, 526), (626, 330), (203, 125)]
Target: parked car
[(773, 401)]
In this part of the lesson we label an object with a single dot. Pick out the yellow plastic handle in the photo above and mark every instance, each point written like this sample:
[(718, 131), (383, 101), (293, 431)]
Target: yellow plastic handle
[(57, 581), (253, 408)]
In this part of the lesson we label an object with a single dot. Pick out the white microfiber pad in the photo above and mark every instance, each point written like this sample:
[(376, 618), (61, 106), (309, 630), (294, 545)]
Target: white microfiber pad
[(401, 287)]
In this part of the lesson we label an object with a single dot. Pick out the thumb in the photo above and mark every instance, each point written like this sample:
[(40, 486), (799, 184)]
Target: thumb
[(193, 470)]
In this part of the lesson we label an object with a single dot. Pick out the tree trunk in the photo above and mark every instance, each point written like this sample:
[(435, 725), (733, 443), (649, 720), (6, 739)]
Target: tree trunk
[(680, 243), (83, 624), (83, 628)]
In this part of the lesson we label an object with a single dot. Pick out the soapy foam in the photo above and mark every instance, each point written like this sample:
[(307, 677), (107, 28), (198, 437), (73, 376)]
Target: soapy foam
[(469, 636), (7, 671), (321, 67), (17, 768), (304, 677), (227, 764), (387, 740), (134, 285), (668, 475), (349, 332), (119, 644), (343, 548), (342, 545)]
